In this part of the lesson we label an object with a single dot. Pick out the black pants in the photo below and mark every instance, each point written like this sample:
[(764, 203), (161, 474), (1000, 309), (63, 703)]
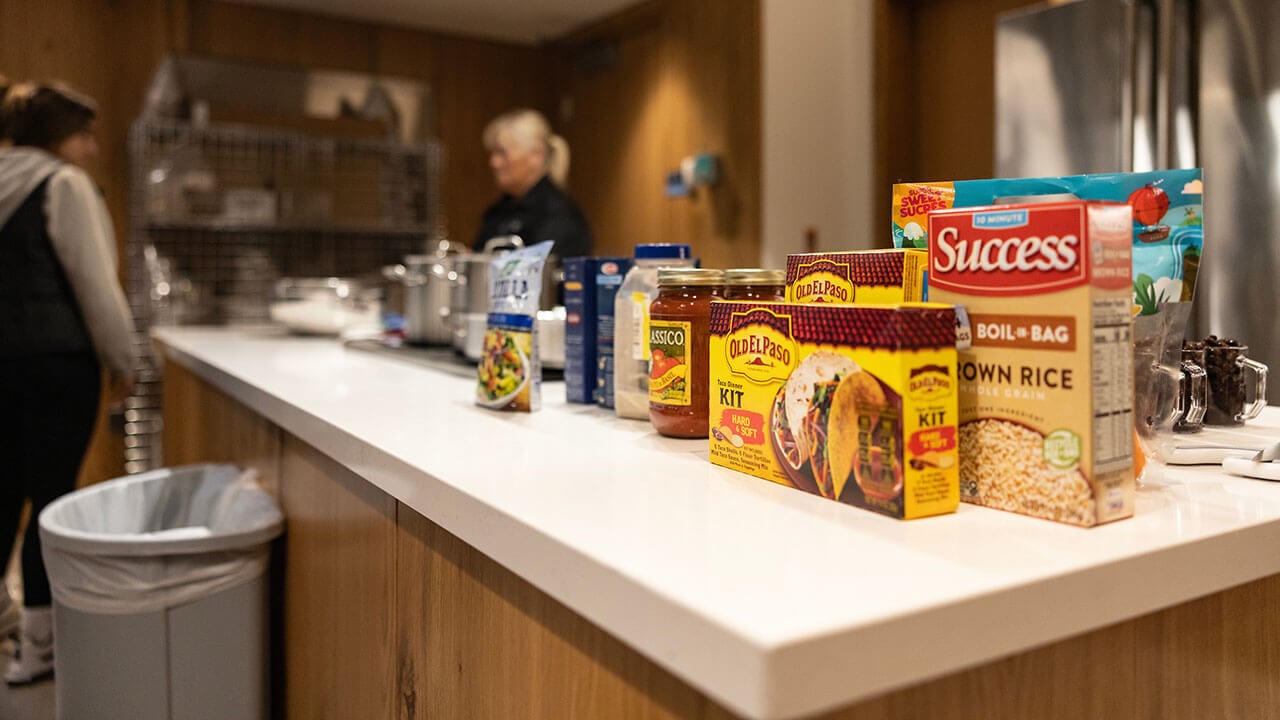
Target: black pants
[(48, 405)]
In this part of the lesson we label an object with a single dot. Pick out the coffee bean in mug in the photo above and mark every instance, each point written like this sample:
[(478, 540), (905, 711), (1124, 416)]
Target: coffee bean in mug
[(1233, 378)]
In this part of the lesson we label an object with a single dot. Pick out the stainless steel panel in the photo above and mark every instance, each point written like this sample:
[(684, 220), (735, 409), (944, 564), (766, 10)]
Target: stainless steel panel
[(1175, 84), (1238, 294), (1062, 84), (1142, 124)]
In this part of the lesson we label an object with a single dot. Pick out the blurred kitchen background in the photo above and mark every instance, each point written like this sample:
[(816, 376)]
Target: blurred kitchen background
[(812, 107)]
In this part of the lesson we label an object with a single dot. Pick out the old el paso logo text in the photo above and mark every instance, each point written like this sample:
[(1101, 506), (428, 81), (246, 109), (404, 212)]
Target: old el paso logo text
[(760, 345), (822, 280), (824, 288), (1014, 248), (929, 381)]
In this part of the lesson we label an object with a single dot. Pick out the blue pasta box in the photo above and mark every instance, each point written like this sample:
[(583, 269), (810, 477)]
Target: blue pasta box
[(580, 341), (609, 274)]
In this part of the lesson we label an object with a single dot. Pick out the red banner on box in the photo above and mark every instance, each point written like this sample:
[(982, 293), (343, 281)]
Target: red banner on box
[(743, 423), (932, 440)]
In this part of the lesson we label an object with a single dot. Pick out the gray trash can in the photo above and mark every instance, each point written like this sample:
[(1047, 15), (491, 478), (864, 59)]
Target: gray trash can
[(160, 602)]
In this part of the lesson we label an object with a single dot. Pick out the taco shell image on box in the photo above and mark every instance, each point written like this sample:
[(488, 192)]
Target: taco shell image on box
[(1046, 389), (854, 403), (858, 276)]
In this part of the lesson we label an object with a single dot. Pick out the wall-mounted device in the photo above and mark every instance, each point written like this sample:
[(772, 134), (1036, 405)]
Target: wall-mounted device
[(695, 171)]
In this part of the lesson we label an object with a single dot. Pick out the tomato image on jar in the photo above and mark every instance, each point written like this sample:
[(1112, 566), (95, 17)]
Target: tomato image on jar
[(668, 377)]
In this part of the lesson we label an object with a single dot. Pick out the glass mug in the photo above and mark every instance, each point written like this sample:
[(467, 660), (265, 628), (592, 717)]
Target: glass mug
[(1166, 396), (1193, 388), (1233, 377)]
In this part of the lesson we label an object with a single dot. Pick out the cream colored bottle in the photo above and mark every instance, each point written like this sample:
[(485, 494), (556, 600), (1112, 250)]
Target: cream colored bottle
[(631, 333)]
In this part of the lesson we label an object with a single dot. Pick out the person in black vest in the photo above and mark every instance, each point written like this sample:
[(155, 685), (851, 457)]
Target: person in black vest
[(530, 166), (63, 318)]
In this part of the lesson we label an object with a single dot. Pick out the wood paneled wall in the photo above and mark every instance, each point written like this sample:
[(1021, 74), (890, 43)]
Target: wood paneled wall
[(647, 87), (935, 91), (108, 50)]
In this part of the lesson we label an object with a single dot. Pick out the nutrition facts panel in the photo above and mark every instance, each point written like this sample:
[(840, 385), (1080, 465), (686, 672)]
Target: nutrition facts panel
[(1112, 383)]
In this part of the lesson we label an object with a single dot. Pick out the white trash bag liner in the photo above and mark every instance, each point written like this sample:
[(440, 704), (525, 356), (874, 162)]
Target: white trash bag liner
[(153, 541)]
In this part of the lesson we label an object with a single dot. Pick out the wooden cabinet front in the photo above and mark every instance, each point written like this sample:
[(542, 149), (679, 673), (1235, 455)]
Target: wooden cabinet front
[(339, 590)]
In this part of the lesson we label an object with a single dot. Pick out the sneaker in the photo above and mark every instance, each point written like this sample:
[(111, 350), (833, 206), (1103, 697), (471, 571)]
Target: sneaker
[(34, 658)]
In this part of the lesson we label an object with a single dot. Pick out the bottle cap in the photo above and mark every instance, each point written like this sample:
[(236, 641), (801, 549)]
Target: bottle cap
[(663, 250), (690, 276), (754, 276)]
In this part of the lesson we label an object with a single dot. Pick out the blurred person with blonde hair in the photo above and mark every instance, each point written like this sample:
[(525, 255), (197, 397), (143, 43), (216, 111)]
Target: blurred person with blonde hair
[(530, 166), (64, 319)]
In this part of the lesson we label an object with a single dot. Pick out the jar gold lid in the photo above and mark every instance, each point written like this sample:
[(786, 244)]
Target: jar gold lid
[(754, 276), (690, 276)]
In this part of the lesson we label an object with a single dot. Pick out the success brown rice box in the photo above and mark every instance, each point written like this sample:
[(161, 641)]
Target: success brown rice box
[(854, 403), (858, 276), (1046, 389)]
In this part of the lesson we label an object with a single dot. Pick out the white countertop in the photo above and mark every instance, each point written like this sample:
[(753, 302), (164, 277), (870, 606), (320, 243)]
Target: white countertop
[(774, 602)]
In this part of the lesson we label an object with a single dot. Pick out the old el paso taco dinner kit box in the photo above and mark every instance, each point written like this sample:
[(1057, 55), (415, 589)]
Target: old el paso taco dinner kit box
[(854, 403), (861, 276), (1046, 390)]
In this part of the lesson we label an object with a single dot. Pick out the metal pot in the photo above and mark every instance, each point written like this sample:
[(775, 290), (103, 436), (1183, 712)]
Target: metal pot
[(428, 282), (469, 306), (470, 294), (469, 298), (551, 325)]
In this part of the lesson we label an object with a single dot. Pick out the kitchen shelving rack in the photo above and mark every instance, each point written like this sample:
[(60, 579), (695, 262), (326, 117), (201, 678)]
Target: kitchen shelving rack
[(219, 212)]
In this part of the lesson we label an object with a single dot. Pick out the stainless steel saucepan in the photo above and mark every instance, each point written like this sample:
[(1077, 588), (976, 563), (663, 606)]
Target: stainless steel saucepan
[(469, 301), (428, 282), (469, 307)]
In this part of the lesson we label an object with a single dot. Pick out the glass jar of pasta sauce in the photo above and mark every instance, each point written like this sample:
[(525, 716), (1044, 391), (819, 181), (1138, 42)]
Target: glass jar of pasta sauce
[(679, 333), (755, 284)]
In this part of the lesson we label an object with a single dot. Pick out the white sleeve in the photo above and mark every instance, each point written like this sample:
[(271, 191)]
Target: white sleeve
[(82, 237)]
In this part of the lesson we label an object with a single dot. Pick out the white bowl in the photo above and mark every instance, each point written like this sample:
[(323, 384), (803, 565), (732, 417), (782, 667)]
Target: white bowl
[(506, 399), (321, 316)]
